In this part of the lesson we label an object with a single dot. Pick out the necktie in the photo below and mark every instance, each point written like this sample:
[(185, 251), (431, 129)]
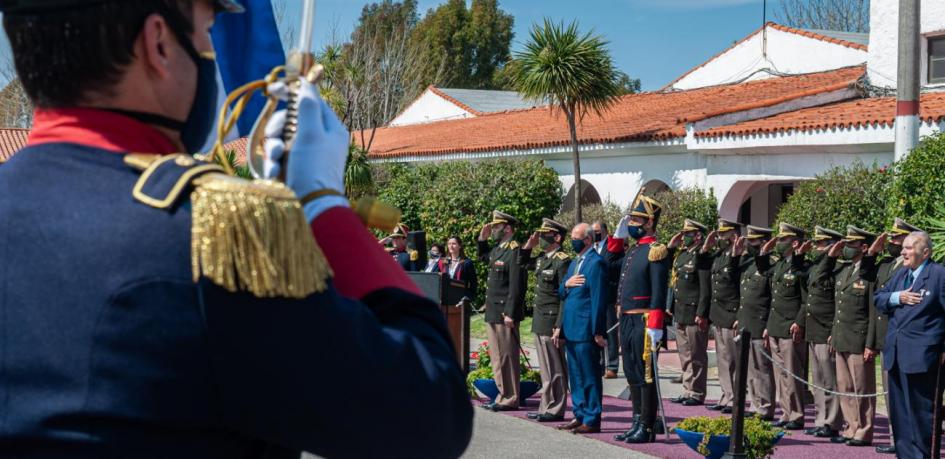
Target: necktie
[(908, 281)]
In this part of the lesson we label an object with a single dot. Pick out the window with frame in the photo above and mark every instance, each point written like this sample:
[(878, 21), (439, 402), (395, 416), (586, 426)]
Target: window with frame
[(937, 60)]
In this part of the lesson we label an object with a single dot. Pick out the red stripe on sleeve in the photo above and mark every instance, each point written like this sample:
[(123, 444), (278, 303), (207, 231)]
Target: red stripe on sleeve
[(655, 319), (614, 245), (361, 266)]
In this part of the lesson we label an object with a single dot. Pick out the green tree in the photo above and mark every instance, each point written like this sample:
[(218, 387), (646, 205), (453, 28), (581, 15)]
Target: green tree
[(627, 85), (693, 203), (841, 196), (572, 71), (461, 47), (919, 181)]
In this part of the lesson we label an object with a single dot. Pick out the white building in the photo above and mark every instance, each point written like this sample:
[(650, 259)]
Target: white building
[(439, 104), (776, 108)]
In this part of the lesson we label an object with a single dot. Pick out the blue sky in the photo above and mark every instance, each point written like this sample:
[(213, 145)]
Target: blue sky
[(654, 40)]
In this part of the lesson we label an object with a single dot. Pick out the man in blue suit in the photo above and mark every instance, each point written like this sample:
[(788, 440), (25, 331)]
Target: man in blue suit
[(583, 328), (914, 300)]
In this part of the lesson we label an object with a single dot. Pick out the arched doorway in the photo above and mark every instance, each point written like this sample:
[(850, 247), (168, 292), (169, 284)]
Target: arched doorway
[(589, 196)]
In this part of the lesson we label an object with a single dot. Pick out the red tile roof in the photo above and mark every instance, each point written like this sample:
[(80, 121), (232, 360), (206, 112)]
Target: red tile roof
[(11, 140), (239, 147), (879, 111), (635, 117), (783, 28)]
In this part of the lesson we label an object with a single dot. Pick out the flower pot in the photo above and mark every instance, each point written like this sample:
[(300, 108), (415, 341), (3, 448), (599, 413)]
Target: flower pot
[(488, 388), (718, 444)]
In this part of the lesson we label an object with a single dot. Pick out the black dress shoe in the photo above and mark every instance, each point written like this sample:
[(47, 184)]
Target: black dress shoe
[(545, 417), (487, 406), (679, 399), (497, 407), (854, 442), (624, 436), (813, 430), (714, 407), (779, 423), (839, 439), (793, 425), (532, 415), (691, 402), (827, 432), (642, 435), (727, 410), (886, 449)]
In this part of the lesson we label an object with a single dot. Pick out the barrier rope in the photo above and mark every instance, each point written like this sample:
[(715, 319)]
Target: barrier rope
[(809, 384)]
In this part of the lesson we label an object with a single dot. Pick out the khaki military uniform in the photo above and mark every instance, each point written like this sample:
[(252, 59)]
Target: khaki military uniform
[(753, 316), (854, 330), (723, 312), (817, 325), (691, 296)]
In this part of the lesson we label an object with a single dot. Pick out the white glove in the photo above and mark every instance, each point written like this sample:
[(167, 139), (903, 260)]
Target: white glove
[(622, 232), (655, 335), (319, 152)]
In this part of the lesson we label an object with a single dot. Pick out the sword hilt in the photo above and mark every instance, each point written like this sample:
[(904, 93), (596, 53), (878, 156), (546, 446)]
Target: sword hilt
[(299, 65)]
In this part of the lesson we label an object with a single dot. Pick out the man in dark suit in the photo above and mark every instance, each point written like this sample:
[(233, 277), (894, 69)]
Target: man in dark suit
[(612, 356), (505, 295), (914, 301), (584, 327)]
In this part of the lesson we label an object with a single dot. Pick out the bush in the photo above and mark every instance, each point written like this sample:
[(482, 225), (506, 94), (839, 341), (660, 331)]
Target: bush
[(608, 212), (841, 196), (483, 368), (919, 182), (759, 434), (458, 197), (692, 203)]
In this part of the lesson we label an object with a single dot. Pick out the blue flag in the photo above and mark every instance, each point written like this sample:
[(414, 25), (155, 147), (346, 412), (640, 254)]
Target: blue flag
[(247, 47)]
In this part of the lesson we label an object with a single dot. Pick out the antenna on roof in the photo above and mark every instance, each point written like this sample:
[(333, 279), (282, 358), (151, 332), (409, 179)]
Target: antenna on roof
[(764, 29)]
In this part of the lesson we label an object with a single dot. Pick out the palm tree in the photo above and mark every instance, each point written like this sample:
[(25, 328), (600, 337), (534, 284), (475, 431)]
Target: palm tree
[(571, 72)]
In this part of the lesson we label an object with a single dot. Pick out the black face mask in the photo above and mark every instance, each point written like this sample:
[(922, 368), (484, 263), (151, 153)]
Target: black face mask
[(196, 129), (894, 250), (598, 236)]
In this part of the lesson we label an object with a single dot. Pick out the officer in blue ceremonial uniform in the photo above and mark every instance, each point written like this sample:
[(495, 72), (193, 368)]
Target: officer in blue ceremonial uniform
[(641, 299), (153, 306), (404, 257)]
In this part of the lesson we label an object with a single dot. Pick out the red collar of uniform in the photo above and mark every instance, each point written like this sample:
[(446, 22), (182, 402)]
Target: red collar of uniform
[(98, 129), (647, 240)]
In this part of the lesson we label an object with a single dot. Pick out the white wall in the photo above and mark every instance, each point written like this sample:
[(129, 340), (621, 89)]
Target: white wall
[(427, 108), (884, 38), (786, 52)]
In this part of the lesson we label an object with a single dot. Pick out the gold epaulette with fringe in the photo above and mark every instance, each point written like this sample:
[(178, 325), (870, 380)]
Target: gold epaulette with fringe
[(246, 235), (414, 255), (511, 245), (658, 252), (561, 256)]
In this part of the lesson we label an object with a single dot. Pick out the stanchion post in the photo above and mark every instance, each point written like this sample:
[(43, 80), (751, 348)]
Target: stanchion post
[(737, 447)]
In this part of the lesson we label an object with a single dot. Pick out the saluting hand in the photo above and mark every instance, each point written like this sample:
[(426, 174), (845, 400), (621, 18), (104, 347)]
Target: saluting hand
[(766, 249), (675, 240), (878, 245), (805, 247), (738, 248), (531, 242), (484, 233), (710, 240), (836, 249)]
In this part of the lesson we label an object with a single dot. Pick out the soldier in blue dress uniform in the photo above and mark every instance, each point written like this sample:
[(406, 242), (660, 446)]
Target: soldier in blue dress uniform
[(153, 306), (404, 257), (641, 299)]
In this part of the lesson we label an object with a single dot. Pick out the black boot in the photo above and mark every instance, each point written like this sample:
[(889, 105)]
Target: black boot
[(633, 431), (643, 434)]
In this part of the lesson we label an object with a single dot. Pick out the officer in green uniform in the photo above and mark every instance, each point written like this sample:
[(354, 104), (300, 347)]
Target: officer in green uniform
[(755, 299), (690, 309), (891, 244), (818, 322), (551, 269), (854, 336), (505, 295), (723, 307)]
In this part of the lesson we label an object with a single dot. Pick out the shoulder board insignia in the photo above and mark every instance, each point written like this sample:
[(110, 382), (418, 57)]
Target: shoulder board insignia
[(165, 178), (252, 236), (513, 245), (562, 256), (658, 252)]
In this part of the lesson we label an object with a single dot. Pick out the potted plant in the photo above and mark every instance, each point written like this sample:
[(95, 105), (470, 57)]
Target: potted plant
[(481, 377), (710, 436)]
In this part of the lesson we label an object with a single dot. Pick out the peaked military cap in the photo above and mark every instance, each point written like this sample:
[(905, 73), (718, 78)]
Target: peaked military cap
[(757, 232), (548, 224), (901, 227), (787, 229), (646, 207), (40, 6), (859, 234), (502, 217), (728, 225), (692, 225), (823, 234), (400, 230)]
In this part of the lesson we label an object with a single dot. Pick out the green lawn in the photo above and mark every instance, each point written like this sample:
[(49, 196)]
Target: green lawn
[(477, 329)]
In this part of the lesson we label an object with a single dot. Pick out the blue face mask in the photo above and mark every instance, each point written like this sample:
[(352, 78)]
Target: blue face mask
[(578, 245), (636, 232)]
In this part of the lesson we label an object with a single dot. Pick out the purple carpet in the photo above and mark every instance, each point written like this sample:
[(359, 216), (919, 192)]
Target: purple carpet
[(616, 419)]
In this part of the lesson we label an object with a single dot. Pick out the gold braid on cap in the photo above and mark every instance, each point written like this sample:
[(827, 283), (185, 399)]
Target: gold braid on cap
[(253, 236)]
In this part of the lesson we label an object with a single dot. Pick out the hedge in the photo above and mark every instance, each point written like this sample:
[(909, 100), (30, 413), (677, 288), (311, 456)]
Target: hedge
[(841, 196), (692, 203), (919, 183), (458, 197)]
